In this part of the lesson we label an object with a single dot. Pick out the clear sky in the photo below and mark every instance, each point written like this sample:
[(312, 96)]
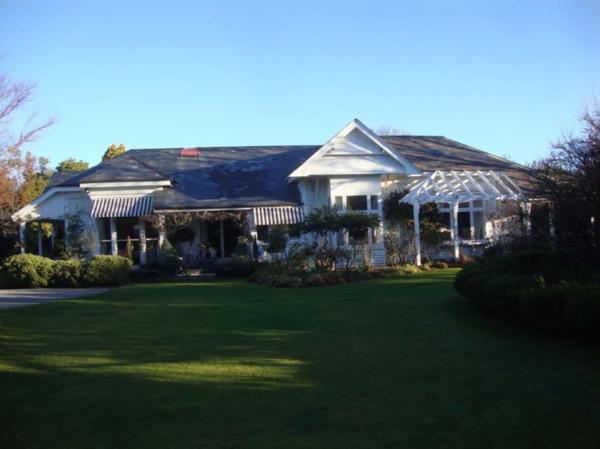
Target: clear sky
[(508, 76)]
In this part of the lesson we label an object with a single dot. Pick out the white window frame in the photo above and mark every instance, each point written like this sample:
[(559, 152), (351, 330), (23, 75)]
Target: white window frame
[(371, 237), (471, 209)]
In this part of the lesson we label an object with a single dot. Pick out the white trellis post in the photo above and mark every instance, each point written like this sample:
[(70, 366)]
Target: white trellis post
[(416, 208), (454, 222)]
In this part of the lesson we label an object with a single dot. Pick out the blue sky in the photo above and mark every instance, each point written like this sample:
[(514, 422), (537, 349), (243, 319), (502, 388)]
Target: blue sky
[(508, 76)]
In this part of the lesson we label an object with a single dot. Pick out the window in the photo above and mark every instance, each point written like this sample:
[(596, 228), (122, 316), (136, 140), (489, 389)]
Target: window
[(464, 225), (339, 202), (374, 205), (471, 219), (478, 225), (357, 202)]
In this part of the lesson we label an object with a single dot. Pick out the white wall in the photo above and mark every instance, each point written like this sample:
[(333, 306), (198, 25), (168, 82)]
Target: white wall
[(62, 204), (314, 192), (354, 185)]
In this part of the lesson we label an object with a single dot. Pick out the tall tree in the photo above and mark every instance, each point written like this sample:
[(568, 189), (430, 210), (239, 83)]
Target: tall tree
[(114, 151), (571, 175), (19, 170), (72, 164)]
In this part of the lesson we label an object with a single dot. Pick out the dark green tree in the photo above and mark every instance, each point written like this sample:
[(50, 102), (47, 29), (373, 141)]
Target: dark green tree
[(72, 164)]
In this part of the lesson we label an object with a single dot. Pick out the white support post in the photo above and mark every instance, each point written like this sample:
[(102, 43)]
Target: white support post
[(114, 249), (53, 236), (142, 232), (527, 217), (222, 238), (252, 234), (416, 208), (161, 232), (66, 234), (454, 221), (22, 236), (40, 239)]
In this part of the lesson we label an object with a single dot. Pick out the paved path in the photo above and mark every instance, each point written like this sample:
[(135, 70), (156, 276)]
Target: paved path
[(31, 296)]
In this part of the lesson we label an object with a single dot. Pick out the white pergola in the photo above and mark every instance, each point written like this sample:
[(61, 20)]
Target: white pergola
[(456, 187)]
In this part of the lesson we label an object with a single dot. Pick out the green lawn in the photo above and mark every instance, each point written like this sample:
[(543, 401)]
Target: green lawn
[(399, 363)]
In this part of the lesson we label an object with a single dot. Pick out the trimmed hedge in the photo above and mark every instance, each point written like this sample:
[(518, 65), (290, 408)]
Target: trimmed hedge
[(66, 273), (525, 290), (30, 271), (27, 271), (106, 271)]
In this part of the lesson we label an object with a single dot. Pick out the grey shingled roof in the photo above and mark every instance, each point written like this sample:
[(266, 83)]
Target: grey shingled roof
[(221, 177), (62, 178), (430, 153), (230, 177)]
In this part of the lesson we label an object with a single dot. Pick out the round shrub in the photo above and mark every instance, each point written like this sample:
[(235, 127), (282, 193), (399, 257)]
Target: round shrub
[(106, 270), (410, 269), (440, 265), (27, 271), (66, 273)]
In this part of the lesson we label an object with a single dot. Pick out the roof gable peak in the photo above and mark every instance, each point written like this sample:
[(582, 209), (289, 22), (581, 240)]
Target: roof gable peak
[(355, 139)]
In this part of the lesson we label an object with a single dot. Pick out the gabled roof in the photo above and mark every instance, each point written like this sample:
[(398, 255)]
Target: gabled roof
[(256, 176), (311, 165)]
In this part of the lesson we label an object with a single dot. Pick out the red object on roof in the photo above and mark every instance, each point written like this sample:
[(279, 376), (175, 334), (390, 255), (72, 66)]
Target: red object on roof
[(189, 152)]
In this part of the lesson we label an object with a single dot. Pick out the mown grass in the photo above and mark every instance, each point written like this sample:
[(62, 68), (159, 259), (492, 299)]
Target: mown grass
[(381, 364)]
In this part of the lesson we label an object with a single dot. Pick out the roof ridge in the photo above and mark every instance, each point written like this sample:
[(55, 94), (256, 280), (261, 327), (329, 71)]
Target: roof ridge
[(224, 147)]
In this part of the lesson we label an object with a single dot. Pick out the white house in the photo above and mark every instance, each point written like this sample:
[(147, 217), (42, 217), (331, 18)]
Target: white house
[(272, 185)]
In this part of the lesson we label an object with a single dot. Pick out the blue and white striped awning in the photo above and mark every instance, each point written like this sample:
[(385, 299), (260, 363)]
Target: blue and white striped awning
[(267, 216), (139, 206)]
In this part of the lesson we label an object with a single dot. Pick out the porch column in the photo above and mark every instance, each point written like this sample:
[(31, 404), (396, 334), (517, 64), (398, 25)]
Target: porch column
[(454, 221), (66, 239), (252, 234), (222, 238), (416, 207), (114, 249), (527, 217), (22, 236), (161, 232), (40, 239), (142, 242), (52, 236), (98, 236)]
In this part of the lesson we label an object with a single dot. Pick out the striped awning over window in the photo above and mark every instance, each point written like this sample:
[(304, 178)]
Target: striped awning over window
[(266, 216), (122, 207)]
